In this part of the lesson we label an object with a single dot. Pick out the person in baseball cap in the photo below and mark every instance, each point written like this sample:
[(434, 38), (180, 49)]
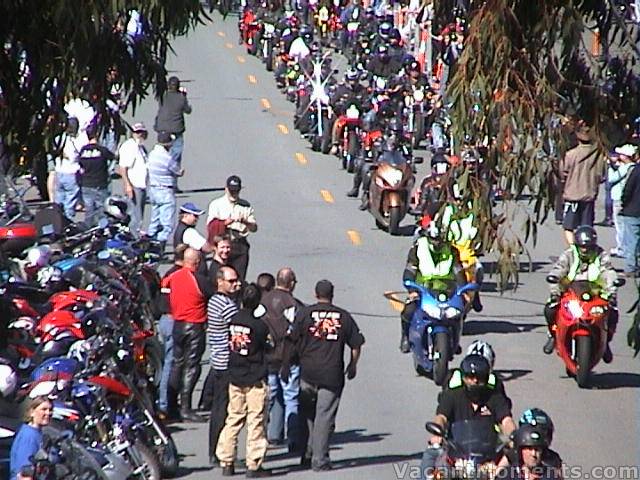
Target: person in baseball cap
[(185, 232), (234, 184), (139, 127), (165, 138)]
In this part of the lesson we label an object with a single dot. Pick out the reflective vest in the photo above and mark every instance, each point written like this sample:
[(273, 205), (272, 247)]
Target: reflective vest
[(461, 232), (427, 268), (456, 380), (593, 270)]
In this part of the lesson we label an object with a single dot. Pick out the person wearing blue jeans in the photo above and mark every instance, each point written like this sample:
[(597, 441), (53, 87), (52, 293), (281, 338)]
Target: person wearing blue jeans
[(283, 407), (94, 162), (93, 199), (67, 193), (177, 147), (163, 212), (631, 213)]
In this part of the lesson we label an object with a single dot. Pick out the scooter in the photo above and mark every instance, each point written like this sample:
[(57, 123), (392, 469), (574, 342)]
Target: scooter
[(436, 327), (392, 180), (581, 328)]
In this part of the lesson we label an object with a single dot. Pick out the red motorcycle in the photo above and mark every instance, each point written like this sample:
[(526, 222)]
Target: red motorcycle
[(581, 328), (249, 30)]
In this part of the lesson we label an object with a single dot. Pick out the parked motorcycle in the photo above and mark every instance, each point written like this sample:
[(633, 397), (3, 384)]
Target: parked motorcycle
[(436, 327)]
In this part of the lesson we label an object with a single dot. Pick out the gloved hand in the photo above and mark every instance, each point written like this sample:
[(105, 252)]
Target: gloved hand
[(633, 335)]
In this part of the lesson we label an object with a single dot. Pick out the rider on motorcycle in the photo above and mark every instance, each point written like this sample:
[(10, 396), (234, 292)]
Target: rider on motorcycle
[(349, 91), (427, 195), (382, 65), (475, 396), (300, 47), (530, 449), (542, 422), (431, 258), (585, 260)]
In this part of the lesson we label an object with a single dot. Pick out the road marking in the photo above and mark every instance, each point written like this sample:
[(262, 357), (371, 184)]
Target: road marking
[(252, 79), (240, 59), (354, 237), (283, 129), (265, 104), (301, 159), (228, 45), (221, 34), (326, 195)]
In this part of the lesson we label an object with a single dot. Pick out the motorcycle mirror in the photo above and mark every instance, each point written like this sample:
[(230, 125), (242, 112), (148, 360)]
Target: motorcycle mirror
[(619, 282), (435, 429), (552, 279), (336, 71), (418, 160)]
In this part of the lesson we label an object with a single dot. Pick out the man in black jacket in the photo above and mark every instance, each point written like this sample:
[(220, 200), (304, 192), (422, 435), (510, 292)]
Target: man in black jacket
[(170, 117)]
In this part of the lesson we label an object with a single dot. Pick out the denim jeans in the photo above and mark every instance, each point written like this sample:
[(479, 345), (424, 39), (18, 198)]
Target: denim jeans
[(165, 329), (630, 243), (136, 207), (284, 395), (163, 212), (608, 202), (67, 193), (437, 137), (429, 461), (177, 147), (93, 199), (618, 222)]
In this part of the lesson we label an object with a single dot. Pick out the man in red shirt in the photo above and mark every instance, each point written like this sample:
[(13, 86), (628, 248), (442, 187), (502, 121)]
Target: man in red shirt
[(188, 296)]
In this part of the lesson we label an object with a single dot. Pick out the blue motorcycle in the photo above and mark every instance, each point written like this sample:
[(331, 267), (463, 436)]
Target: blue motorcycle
[(436, 327)]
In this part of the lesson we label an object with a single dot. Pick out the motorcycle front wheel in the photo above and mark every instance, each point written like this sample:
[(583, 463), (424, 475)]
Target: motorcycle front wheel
[(394, 220), (583, 361), (144, 462), (441, 364)]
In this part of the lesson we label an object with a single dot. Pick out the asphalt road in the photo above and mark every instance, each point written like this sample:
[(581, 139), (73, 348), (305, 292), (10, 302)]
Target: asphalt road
[(242, 125)]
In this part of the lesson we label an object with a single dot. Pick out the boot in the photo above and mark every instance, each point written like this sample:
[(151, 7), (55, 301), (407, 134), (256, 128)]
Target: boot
[(607, 356), (353, 193), (404, 339), (550, 345), (364, 205), (477, 304)]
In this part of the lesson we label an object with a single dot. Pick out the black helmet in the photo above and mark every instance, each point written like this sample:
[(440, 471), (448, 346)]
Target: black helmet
[(538, 418), (529, 436), (407, 60), (116, 207), (586, 237), (306, 32), (394, 34), (476, 366), (351, 75)]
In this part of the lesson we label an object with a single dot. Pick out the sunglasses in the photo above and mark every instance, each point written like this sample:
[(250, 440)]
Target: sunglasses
[(231, 280)]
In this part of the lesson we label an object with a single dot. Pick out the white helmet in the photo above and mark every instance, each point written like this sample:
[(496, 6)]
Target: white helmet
[(8, 380), (480, 347), (39, 256)]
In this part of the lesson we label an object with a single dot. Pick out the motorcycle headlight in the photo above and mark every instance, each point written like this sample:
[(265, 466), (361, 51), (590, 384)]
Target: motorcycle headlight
[(380, 182), (575, 309), (418, 95), (268, 28), (451, 312), (597, 310), (393, 176), (431, 310), (353, 113)]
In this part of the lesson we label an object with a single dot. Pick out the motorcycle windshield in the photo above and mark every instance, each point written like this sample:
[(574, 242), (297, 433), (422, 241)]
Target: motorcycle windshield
[(393, 158), (582, 287), (476, 438), (441, 289)]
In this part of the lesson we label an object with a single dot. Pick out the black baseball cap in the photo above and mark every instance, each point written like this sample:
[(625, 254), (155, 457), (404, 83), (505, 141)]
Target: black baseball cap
[(324, 289), (165, 138), (234, 183)]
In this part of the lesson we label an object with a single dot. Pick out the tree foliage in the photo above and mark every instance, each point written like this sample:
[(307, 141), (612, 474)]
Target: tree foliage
[(527, 69), (57, 48)]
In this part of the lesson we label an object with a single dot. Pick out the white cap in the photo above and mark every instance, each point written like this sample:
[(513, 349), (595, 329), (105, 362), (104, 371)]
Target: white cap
[(627, 150)]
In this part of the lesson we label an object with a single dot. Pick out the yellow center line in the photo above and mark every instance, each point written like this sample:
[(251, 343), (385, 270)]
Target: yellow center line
[(283, 129), (354, 237), (326, 195), (228, 45), (265, 104), (301, 159), (240, 59), (221, 34), (252, 79)]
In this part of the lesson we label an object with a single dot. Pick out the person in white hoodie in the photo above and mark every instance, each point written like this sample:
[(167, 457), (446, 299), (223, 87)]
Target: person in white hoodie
[(617, 174)]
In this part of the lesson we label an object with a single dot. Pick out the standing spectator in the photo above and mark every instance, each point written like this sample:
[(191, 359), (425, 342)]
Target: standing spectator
[(133, 170), (320, 333), (631, 214), (188, 296), (94, 162), (28, 440), (222, 248), (281, 307), (581, 171), (163, 171), (170, 117), (248, 342), (67, 168), (617, 178), (266, 282), (221, 308), (166, 408), (235, 216), (185, 232)]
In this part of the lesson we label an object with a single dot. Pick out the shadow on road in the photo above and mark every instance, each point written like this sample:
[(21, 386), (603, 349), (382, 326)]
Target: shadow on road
[(375, 460), (491, 267), (481, 327), (514, 374), (609, 381), (187, 471), (356, 435)]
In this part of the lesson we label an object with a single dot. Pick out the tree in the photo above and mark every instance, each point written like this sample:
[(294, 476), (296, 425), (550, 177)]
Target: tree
[(527, 69), (96, 49)]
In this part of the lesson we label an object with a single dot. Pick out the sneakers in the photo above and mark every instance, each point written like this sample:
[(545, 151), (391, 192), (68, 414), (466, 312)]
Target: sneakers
[(404, 344), (550, 345), (191, 416), (259, 473), (353, 193), (228, 471), (607, 356)]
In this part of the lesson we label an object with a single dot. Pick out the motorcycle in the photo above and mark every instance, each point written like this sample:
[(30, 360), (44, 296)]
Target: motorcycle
[(581, 328), (415, 115), (472, 450), (249, 30), (267, 45), (350, 145), (392, 180), (436, 327)]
